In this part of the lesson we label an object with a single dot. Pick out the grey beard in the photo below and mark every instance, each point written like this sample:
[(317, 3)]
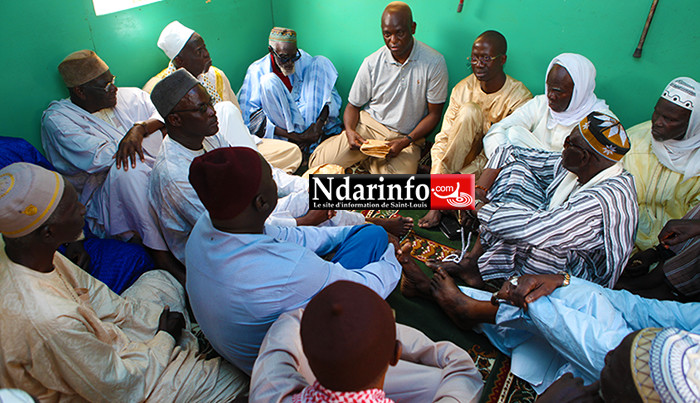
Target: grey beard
[(288, 72)]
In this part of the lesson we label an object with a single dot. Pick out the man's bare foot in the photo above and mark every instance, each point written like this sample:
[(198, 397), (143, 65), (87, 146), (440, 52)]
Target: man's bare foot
[(414, 283), (467, 270), (398, 226), (431, 219), (445, 292), (463, 310)]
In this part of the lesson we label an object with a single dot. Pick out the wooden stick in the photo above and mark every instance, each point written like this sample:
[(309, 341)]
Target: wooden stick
[(638, 51)]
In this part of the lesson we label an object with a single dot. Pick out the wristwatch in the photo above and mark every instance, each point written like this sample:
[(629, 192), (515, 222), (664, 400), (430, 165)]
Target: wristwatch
[(142, 124)]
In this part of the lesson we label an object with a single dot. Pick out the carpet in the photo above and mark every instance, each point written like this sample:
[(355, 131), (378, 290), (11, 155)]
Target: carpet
[(500, 385)]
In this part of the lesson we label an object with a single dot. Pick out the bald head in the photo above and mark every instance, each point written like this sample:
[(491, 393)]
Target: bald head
[(401, 9), (495, 39)]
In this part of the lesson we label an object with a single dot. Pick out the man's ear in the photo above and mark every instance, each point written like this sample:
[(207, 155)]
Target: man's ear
[(260, 203), (174, 120), (78, 91), (177, 61), (504, 60), (587, 157), (45, 232), (413, 29), (398, 348)]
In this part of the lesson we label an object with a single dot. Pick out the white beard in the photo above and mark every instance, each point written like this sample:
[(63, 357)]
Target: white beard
[(287, 72)]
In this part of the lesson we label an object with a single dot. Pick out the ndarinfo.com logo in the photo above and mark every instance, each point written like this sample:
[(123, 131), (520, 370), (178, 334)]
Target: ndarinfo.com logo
[(382, 192)]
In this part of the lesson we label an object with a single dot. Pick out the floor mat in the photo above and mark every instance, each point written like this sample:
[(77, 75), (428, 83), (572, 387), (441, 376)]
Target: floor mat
[(499, 384)]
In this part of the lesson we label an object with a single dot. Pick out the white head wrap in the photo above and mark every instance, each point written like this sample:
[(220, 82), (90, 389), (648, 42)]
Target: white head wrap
[(683, 155), (29, 195), (173, 38), (583, 99)]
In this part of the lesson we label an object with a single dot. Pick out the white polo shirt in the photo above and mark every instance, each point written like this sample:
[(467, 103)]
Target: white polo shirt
[(395, 94)]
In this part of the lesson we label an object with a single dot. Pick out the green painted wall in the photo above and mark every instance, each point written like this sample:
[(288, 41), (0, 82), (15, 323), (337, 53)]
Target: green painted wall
[(39, 33), (605, 31)]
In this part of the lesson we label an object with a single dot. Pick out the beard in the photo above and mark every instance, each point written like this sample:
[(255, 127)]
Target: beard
[(287, 71)]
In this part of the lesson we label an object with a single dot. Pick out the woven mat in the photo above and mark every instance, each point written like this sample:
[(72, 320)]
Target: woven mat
[(500, 385)]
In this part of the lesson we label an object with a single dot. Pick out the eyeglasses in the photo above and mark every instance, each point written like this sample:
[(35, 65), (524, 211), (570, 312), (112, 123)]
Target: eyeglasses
[(568, 143), (285, 59), (201, 108), (104, 88), (486, 59)]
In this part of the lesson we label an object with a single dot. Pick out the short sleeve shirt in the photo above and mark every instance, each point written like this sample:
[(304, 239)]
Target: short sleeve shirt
[(397, 95)]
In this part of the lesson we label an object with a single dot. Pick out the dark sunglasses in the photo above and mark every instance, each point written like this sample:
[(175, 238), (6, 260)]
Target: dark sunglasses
[(285, 59)]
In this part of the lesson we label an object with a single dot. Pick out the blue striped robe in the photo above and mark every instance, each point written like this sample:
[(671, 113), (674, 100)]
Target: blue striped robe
[(591, 235)]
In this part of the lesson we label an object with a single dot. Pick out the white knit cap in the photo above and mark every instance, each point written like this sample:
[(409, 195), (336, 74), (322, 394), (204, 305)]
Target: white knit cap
[(29, 195), (173, 38), (681, 92)]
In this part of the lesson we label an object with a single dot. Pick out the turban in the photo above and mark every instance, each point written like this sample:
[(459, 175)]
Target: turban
[(173, 38), (29, 195), (279, 34), (605, 135), (80, 67), (170, 90), (665, 365), (226, 180), (682, 155), (348, 334), (583, 99)]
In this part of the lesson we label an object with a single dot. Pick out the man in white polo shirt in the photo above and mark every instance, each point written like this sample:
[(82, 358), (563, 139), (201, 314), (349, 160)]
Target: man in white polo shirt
[(397, 96)]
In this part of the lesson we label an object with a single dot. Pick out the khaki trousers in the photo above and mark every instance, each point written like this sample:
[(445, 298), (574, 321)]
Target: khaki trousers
[(458, 147), (336, 150), (281, 154)]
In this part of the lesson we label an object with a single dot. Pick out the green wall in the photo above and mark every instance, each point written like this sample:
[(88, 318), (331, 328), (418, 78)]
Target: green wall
[(39, 33), (605, 31)]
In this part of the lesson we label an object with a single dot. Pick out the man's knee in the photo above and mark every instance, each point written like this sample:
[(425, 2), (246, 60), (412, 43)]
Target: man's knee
[(471, 113), (271, 83), (373, 235), (136, 178)]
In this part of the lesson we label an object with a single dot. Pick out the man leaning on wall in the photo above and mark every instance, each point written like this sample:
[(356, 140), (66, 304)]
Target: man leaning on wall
[(397, 96), (478, 101)]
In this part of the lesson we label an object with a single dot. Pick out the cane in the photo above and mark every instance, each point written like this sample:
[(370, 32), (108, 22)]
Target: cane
[(638, 51)]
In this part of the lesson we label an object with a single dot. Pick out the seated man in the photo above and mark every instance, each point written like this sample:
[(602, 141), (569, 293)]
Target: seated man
[(403, 88), (676, 275), (193, 129), (664, 162), (95, 133), (322, 353), (545, 121), (186, 49), (574, 211), (552, 323), (116, 263), (66, 336), (243, 274), (480, 100), (289, 94)]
